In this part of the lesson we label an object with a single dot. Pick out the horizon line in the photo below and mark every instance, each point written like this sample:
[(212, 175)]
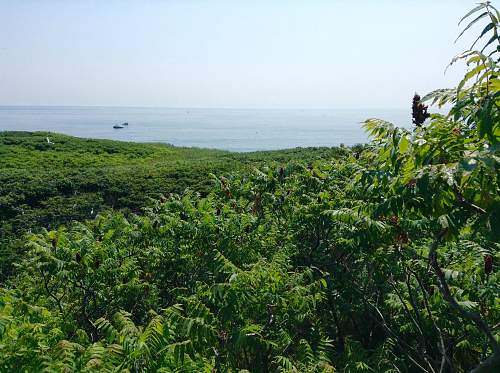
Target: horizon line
[(205, 107)]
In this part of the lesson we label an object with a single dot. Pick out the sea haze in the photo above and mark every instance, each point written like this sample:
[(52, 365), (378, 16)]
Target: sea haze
[(229, 129)]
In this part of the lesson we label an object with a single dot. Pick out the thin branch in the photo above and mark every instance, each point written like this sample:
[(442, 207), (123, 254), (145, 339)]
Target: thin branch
[(49, 292), (492, 361), (466, 202), (401, 340), (415, 322), (444, 356)]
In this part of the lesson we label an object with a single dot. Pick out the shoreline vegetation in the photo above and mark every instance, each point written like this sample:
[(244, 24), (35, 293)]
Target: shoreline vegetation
[(49, 179), (124, 257)]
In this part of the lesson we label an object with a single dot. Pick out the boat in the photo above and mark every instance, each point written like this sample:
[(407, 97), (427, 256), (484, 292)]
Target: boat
[(117, 126), (125, 124)]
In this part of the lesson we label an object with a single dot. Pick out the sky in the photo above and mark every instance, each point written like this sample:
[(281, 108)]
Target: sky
[(227, 54)]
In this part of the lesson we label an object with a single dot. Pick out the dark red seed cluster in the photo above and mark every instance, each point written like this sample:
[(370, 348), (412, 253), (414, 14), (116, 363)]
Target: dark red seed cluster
[(488, 264), (419, 111), (282, 172)]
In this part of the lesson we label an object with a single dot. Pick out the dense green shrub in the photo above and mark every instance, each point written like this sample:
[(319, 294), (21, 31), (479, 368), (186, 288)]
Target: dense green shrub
[(381, 259), (74, 179)]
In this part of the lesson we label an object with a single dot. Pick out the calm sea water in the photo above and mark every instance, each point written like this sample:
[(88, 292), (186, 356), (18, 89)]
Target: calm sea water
[(228, 129)]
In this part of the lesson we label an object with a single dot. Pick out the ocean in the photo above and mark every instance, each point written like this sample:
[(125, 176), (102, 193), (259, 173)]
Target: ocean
[(239, 130)]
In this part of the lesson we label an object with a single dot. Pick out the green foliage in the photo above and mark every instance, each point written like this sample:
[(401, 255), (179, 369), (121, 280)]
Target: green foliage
[(383, 259), (45, 185)]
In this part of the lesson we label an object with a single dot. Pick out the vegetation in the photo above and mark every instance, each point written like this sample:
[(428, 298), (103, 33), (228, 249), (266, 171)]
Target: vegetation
[(47, 179), (381, 259)]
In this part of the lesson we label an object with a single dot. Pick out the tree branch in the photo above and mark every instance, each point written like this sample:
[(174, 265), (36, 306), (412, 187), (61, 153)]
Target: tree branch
[(494, 360), (444, 356), (467, 203)]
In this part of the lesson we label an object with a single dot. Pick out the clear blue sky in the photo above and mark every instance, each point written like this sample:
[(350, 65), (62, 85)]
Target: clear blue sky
[(263, 54)]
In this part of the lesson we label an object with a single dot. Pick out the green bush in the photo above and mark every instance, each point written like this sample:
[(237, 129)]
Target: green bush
[(381, 258)]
